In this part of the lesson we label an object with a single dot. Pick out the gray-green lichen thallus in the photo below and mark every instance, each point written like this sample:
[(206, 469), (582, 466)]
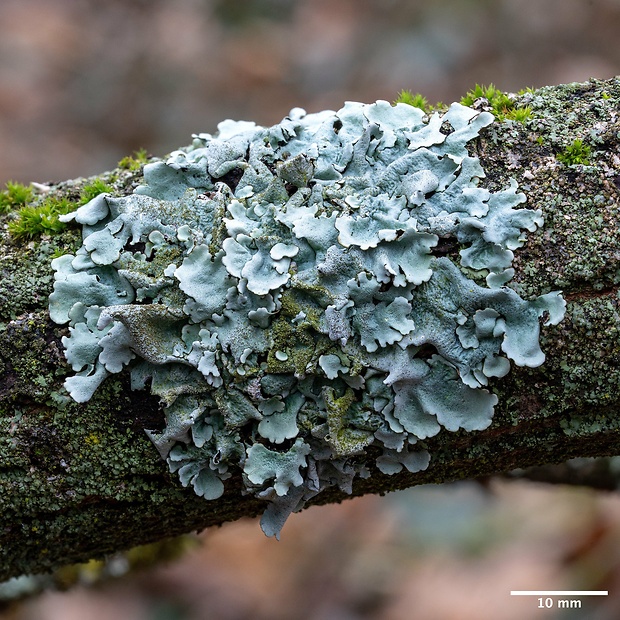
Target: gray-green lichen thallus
[(288, 295)]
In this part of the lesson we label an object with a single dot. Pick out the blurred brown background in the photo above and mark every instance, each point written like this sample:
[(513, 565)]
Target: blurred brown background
[(85, 82)]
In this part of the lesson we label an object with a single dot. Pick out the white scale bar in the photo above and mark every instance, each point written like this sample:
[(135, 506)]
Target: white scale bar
[(559, 593)]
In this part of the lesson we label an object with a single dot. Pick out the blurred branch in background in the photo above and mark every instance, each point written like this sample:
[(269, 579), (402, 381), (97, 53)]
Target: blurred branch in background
[(429, 552), (602, 473)]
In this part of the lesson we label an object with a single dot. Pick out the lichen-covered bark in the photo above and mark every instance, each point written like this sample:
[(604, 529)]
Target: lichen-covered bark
[(82, 480)]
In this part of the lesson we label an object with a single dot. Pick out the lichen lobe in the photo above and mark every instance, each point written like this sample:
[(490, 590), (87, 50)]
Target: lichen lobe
[(279, 290)]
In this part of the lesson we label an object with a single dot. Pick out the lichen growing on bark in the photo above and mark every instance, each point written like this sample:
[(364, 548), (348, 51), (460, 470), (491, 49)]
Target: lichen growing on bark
[(118, 493), (281, 291)]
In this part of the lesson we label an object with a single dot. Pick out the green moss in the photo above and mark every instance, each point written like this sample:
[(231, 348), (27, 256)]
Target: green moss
[(502, 106), (416, 100), (576, 153), (134, 161), (91, 190), (497, 99), (519, 115), (14, 196), (43, 216)]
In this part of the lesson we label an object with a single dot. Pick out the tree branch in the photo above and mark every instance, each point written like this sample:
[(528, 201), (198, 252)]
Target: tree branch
[(80, 480)]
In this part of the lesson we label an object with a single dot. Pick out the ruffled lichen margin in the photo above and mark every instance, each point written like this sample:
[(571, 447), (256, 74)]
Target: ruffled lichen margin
[(280, 290), (82, 480)]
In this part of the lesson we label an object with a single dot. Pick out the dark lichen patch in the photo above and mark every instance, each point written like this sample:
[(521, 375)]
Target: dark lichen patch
[(579, 247), (30, 355), (137, 410), (43, 449), (26, 279), (590, 378), (446, 246), (232, 178), (63, 457)]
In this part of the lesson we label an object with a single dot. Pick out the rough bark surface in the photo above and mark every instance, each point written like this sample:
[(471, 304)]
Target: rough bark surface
[(82, 480)]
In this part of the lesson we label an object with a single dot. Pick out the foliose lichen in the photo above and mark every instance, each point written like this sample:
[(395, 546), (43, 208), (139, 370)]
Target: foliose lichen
[(284, 292)]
